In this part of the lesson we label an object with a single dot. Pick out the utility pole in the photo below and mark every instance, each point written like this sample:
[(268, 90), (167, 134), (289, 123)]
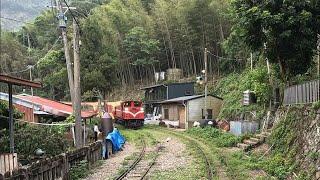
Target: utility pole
[(74, 86), (251, 61), (318, 48), (205, 81), (77, 88), (30, 74), (62, 25), (11, 120)]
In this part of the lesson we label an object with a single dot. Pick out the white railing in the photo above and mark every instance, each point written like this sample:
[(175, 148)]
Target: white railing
[(308, 92)]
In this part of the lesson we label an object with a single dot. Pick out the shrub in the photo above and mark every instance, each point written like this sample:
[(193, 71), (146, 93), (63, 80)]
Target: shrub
[(231, 88), (220, 138), (28, 138), (79, 170), (276, 166)]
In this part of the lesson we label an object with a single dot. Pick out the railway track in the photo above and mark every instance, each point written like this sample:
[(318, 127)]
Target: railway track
[(200, 150), (141, 165)]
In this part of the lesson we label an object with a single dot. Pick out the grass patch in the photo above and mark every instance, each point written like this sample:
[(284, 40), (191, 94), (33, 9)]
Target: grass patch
[(80, 170), (216, 136)]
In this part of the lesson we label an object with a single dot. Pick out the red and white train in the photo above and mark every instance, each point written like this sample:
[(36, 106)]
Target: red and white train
[(129, 114)]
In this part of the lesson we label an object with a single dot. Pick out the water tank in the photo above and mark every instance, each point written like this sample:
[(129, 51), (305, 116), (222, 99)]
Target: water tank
[(106, 123), (174, 74)]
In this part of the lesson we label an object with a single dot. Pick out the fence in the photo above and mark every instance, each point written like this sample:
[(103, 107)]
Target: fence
[(302, 93), (8, 162), (57, 167)]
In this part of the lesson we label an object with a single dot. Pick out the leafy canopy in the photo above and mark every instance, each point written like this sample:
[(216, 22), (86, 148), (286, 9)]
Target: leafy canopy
[(289, 29)]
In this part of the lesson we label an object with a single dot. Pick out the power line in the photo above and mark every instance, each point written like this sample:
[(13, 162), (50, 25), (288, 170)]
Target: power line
[(73, 15), (44, 124), (16, 72), (31, 66), (223, 57), (11, 19)]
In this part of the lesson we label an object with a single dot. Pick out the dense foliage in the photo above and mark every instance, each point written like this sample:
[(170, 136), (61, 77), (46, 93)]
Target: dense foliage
[(28, 138), (286, 31), (123, 42), (231, 89)]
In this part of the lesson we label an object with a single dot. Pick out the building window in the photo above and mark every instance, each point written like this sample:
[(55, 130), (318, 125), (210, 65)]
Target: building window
[(209, 114), (166, 113), (187, 93)]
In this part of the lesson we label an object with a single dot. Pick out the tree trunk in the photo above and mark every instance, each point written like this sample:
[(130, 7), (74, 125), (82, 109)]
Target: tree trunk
[(282, 69)]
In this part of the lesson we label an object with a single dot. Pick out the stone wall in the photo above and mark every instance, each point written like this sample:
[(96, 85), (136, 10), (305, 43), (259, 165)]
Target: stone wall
[(296, 134)]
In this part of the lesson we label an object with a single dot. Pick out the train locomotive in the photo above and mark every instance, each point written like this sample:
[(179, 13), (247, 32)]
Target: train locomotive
[(130, 114)]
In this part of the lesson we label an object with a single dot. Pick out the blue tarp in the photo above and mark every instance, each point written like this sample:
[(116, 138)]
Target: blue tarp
[(117, 139)]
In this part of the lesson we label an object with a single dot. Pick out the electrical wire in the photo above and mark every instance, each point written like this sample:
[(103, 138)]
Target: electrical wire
[(43, 124), (223, 57), (31, 66), (16, 72), (73, 15), (16, 20)]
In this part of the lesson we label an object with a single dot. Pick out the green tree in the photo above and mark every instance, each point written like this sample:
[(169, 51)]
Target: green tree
[(12, 54), (288, 29), (140, 48), (55, 81)]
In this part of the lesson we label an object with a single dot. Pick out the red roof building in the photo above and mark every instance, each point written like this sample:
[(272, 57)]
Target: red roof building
[(54, 107), (34, 107)]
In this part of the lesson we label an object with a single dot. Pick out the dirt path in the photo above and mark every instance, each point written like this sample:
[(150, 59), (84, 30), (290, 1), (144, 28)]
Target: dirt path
[(220, 170), (110, 166), (172, 155)]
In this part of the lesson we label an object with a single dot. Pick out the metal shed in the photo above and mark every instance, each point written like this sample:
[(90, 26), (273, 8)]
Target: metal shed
[(188, 109)]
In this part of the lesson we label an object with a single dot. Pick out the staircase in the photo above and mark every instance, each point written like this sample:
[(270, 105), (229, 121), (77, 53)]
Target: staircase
[(255, 141)]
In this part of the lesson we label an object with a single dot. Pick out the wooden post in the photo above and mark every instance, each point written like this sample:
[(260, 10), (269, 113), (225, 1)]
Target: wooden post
[(65, 167), (88, 156), (66, 52), (251, 61), (318, 49), (11, 120), (205, 82), (77, 88)]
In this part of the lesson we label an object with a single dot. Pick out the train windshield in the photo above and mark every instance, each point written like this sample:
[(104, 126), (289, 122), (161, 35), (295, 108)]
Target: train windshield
[(132, 104), (137, 104), (126, 104)]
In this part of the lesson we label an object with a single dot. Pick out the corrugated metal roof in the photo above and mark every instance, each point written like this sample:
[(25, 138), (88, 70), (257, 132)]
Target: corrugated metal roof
[(54, 107), (187, 98), (152, 86), (157, 85)]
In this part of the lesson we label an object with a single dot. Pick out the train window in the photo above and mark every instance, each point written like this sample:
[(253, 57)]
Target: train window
[(137, 104), (187, 93), (126, 104)]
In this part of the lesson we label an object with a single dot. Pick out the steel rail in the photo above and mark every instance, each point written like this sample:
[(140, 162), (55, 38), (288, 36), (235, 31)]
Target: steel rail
[(193, 141), (152, 163), (133, 165)]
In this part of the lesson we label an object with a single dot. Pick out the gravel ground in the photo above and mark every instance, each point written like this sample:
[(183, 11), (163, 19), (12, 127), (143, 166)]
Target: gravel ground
[(110, 166), (173, 155)]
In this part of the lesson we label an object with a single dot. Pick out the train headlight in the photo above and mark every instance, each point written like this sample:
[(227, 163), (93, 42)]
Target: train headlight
[(142, 109), (126, 109)]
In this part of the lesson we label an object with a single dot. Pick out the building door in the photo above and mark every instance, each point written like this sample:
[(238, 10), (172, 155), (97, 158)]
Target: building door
[(182, 117)]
